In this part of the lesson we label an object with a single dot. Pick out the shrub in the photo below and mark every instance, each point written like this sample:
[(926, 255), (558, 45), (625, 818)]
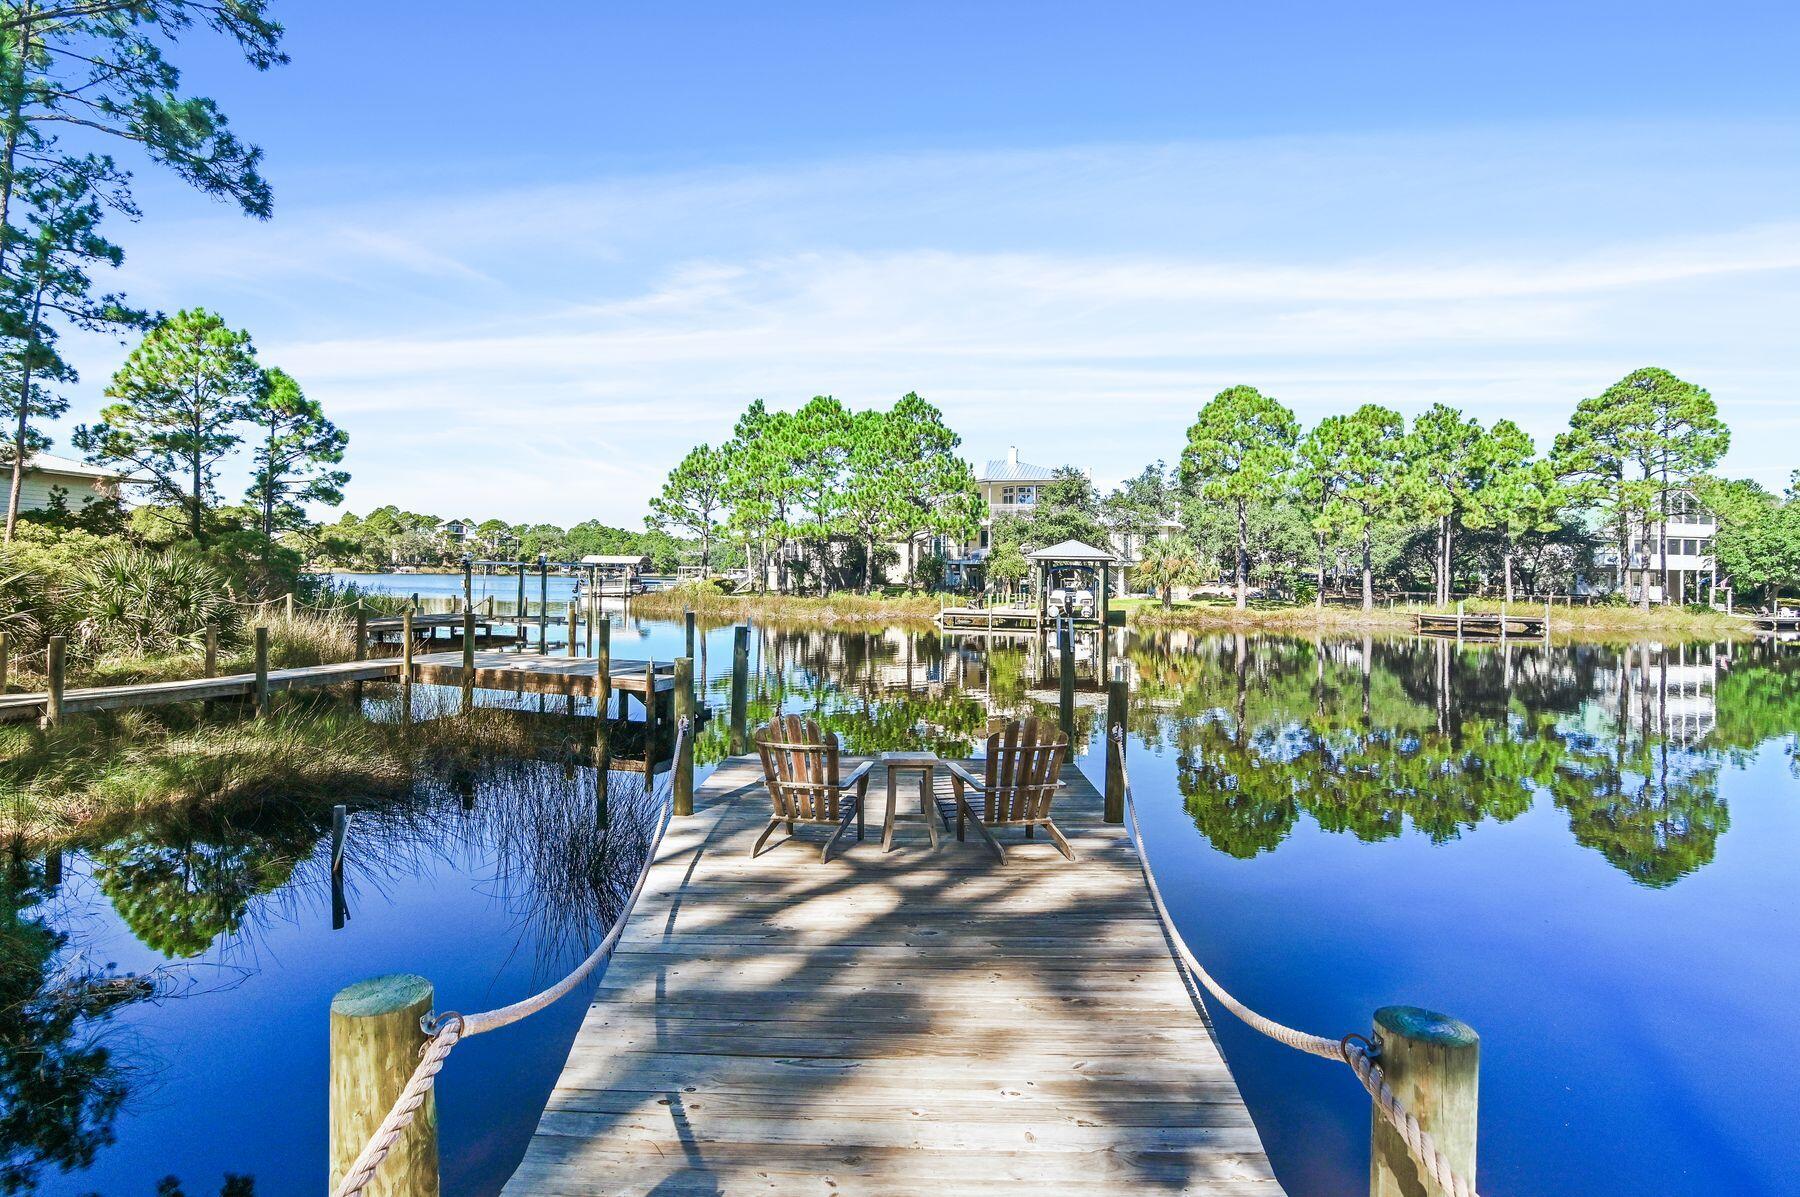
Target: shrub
[(127, 601)]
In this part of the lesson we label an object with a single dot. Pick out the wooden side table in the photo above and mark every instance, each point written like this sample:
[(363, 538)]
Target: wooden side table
[(925, 765)]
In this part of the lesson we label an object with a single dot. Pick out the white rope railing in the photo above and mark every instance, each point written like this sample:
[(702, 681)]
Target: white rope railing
[(450, 1028), (1352, 1049)]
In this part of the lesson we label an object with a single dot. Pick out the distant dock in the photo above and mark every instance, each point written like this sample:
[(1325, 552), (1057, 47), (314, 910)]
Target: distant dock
[(1456, 625)]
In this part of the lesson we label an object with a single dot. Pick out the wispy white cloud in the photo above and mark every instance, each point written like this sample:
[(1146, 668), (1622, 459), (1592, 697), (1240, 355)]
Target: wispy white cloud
[(1083, 301)]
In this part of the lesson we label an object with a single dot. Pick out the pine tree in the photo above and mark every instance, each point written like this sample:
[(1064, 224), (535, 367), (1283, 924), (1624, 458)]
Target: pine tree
[(1239, 452), (692, 498), (178, 401), (295, 455)]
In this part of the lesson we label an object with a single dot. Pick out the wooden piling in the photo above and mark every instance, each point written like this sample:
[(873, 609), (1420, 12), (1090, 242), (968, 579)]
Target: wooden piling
[(362, 649), (468, 583), (468, 660), (1117, 694), (649, 720), (683, 764), (519, 615), (53, 669), (340, 831), (688, 628), (262, 669), (740, 689), (1066, 697), (574, 626), (543, 606), (290, 605), (375, 1042), (1431, 1062), (601, 629)]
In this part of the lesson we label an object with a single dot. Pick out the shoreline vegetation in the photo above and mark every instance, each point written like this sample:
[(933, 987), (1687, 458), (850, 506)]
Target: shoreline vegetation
[(1598, 621)]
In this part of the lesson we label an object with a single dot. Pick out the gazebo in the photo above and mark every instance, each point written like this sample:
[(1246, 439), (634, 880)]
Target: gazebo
[(1069, 559)]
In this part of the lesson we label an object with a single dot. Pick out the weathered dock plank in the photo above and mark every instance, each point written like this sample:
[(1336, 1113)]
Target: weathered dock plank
[(916, 1022)]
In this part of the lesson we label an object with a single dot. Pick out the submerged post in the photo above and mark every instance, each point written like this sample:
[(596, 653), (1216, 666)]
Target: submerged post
[(375, 1041), (683, 764), (740, 688), (1066, 707), (1117, 693), (262, 669), (53, 670), (1431, 1062)]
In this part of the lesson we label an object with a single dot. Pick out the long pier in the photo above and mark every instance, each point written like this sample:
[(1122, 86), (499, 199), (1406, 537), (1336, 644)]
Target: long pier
[(530, 672), (920, 1023)]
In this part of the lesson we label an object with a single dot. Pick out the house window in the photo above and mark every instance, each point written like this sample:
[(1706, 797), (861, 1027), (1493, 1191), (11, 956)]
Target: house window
[(1006, 494), (1028, 494), (984, 538)]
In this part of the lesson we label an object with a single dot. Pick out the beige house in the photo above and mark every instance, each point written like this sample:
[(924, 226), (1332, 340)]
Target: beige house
[(45, 474), (1009, 486)]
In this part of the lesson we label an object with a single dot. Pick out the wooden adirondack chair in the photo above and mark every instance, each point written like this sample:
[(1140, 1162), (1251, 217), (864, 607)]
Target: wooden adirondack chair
[(1024, 765), (800, 767)]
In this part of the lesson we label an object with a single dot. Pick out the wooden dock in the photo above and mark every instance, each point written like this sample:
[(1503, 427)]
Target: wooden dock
[(989, 619), (1504, 626), (914, 1024), (530, 673)]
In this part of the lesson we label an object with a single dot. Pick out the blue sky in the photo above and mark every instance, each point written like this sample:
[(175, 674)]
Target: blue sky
[(528, 255)]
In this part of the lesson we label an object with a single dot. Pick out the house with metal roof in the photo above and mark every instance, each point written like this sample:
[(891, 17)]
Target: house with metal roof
[(45, 474)]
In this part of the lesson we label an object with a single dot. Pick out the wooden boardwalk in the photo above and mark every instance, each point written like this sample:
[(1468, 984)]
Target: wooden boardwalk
[(526, 672), (912, 1024)]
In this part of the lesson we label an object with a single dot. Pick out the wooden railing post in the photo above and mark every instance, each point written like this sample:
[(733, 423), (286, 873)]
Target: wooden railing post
[(262, 669), (290, 606), (740, 689), (375, 1041), (1117, 694), (684, 760), (1431, 1062), (53, 670)]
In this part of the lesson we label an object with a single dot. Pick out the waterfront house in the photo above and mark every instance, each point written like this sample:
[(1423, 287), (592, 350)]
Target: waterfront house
[(46, 474), (1691, 574)]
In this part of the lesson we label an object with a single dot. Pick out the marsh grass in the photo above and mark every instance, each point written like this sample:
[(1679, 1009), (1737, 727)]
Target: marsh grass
[(1596, 622), (710, 602), (107, 767)]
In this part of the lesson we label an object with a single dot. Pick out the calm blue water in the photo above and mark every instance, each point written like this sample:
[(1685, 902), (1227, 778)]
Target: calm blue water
[(1587, 854)]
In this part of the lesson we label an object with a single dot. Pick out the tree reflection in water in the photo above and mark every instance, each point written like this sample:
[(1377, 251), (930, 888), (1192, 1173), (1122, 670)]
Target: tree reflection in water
[(198, 889), (1366, 735)]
